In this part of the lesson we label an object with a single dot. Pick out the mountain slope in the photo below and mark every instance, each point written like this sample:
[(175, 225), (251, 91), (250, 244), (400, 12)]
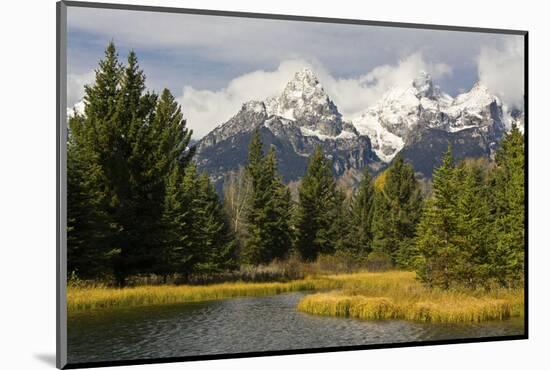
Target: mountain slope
[(418, 119), (294, 123)]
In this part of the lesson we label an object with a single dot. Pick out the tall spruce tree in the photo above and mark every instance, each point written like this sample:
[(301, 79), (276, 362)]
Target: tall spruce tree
[(464, 237), (268, 233), (136, 203), (170, 153), (437, 231), (473, 220), (90, 231), (132, 207), (509, 200), (277, 210), (362, 215), (315, 214), (253, 250), (216, 247), (397, 212)]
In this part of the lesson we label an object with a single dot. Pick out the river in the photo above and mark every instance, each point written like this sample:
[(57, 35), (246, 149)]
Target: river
[(242, 325)]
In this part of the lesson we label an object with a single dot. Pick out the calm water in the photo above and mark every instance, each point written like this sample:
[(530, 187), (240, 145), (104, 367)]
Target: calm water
[(242, 325)]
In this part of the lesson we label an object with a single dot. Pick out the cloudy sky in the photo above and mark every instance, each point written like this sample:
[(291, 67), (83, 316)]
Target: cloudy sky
[(213, 64)]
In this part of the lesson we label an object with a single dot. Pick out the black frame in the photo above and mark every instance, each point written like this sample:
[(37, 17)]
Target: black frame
[(61, 257)]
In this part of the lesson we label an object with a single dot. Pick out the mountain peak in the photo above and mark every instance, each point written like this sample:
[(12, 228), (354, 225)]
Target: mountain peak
[(304, 100), (478, 96), (424, 84), (255, 106), (480, 86), (304, 83), (306, 75)]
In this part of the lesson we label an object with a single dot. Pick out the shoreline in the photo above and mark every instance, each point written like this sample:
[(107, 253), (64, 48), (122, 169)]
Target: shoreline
[(362, 295)]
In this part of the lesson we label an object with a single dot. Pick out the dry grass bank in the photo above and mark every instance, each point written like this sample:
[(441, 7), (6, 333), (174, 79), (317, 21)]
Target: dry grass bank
[(103, 297), (364, 295), (398, 295)]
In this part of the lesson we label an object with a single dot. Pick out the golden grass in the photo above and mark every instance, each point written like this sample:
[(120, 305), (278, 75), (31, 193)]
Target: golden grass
[(365, 295), (79, 299), (398, 295), (86, 298)]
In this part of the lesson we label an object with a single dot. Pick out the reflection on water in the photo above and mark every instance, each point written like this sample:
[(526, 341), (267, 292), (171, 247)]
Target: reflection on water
[(243, 325)]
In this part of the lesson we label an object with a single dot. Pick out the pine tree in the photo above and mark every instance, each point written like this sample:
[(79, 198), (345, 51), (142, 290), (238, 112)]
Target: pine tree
[(89, 224), (136, 202), (126, 172), (267, 234), (473, 220), (397, 213), (171, 251), (362, 214), (436, 241), (315, 213), (277, 210), (253, 248), (216, 245), (169, 153), (509, 201)]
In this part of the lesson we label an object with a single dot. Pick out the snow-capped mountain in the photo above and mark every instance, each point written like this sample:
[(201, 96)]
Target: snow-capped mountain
[(404, 111), (294, 123), (304, 99), (416, 119)]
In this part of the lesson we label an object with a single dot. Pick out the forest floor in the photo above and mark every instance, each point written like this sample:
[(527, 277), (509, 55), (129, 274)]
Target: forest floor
[(363, 295)]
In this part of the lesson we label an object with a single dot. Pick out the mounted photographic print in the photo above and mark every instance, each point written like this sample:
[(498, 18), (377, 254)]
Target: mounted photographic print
[(238, 184)]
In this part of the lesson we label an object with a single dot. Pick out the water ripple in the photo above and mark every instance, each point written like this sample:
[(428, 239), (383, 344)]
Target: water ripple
[(243, 325)]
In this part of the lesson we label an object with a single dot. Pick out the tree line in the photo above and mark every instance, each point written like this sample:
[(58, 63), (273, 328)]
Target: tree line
[(136, 202), (138, 205)]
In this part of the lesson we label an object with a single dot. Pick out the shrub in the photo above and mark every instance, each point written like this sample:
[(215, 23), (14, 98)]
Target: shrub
[(378, 261)]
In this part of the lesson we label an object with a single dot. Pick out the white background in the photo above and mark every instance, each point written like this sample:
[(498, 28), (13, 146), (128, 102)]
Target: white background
[(27, 183)]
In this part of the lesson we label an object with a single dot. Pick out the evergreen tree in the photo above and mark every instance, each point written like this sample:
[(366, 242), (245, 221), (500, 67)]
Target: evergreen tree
[(254, 248), (315, 213), (268, 233), (397, 212), (362, 215), (509, 201), (216, 247), (473, 220), (173, 227), (89, 224), (169, 153), (136, 203), (132, 207), (465, 232), (437, 230)]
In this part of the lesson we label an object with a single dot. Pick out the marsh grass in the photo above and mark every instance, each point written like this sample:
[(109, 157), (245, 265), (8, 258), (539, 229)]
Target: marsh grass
[(79, 299), (83, 297), (398, 295), (364, 295)]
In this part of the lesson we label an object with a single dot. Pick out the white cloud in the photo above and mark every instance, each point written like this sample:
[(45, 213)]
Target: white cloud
[(354, 95), (206, 109), (75, 86), (502, 70)]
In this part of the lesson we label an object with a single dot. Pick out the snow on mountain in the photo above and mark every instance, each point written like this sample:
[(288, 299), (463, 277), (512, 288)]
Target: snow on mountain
[(476, 108), (384, 143), (294, 123), (421, 105), (305, 100), (417, 119)]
